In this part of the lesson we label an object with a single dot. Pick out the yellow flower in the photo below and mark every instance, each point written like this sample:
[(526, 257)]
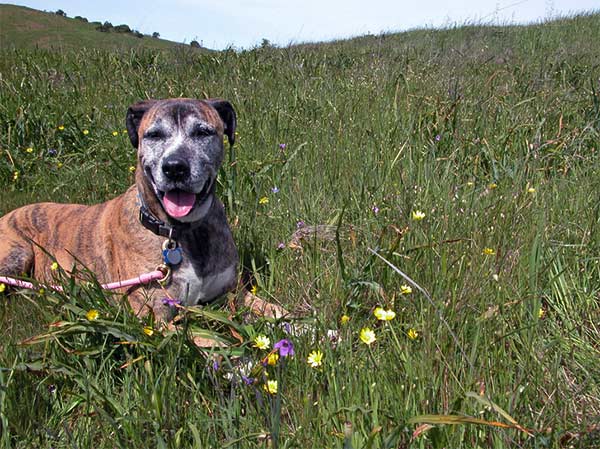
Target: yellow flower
[(29, 150), (61, 128), (405, 289), (54, 266), (531, 190), (541, 313), (262, 342), (418, 215), (367, 336), (2, 288), (470, 183), (254, 289), (489, 251), (263, 200), (59, 165), (271, 387), (384, 315), (412, 334), (148, 331), (492, 185), (131, 169), (92, 315), (85, 132), (16, 175), (315, 359), (124, 131), (344, 319), (272, 359), (115, 133)]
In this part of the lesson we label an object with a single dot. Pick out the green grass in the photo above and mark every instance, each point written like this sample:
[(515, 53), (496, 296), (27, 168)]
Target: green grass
[(492, 132), (22, 27)]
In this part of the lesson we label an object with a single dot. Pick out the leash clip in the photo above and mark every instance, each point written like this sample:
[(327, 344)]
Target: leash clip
[(166, 270)]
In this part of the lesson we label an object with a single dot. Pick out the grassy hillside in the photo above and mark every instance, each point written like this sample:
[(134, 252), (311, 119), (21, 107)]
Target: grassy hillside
[(468, 158), (22, 27)]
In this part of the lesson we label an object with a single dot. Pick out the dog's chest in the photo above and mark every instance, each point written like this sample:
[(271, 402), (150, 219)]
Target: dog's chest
[(194, 289)]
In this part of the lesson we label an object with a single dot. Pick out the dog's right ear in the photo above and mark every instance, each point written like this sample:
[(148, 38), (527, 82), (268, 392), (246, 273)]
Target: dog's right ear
[(134, 118)]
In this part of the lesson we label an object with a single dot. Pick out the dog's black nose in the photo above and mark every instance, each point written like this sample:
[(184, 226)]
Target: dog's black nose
[(175, 168)]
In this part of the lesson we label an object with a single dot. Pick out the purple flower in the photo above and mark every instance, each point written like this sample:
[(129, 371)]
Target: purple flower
[(375, 210), (215, 365), (285, 348), (281, 246), (438, 138), (282, 146), (300, 224), (171, 302), (275, 189), (248, 380), (52, 152)]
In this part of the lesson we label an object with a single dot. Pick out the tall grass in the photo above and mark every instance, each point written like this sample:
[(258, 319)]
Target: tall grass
[(491, 132)]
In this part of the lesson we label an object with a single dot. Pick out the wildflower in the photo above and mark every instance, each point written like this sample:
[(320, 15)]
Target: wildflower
[(300, 224), (124, 131), (271, 387), (418, 215), (405, 289), (495, 277), (92, 315), (85, 132), (541, 313), (261, 342), (115, 133), (263, 200), (29, 150), (281, 246), (375, 210), (16, 175), (470, 183), (488, 251), (61, 128), (148, 331), (412, 334), (367, 336), (315, 359), (275, 189), (531, 190), (254, 289), (492, 185), (248, 380), (54, 266), (131, 168), (59, 165), (438, 138), (384, 315), (2, 288), (171, 302), (52, 152), (285, 348), (282, 146), (344, 319), (272, 359)]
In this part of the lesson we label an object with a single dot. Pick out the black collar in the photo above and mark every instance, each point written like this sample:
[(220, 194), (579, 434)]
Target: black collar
[(159, 227)]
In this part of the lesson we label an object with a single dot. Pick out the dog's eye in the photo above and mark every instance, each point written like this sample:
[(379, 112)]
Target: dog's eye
[(201, 131), (154, 134)]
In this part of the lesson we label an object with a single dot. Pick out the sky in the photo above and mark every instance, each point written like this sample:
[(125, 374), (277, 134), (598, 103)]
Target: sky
[(244, 24)]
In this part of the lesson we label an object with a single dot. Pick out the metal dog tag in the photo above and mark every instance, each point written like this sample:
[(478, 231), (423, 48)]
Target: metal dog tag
[(172, 253)]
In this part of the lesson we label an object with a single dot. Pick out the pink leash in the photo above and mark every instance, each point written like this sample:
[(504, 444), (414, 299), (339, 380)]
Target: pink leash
[(144, 278)]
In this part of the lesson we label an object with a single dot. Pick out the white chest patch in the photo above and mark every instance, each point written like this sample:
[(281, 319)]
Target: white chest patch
[(193, 290)]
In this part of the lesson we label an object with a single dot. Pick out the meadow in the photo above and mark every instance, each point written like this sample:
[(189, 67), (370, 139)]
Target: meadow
[(449, 176)]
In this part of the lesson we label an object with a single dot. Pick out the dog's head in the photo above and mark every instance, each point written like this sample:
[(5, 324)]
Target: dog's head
[(180, 150)]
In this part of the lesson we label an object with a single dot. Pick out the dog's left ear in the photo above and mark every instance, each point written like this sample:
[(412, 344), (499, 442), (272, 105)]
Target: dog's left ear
[(134, 118), (227, 114)]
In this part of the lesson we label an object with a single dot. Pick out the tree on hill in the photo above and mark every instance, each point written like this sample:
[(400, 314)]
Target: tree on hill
[(156, 35), (195, 44), (60, 12)]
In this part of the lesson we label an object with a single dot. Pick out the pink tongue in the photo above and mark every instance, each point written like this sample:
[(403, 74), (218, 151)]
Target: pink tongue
[(179, 203)]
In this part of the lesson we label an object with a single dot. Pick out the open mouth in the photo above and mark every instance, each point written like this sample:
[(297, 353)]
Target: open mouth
[(179, 203)]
